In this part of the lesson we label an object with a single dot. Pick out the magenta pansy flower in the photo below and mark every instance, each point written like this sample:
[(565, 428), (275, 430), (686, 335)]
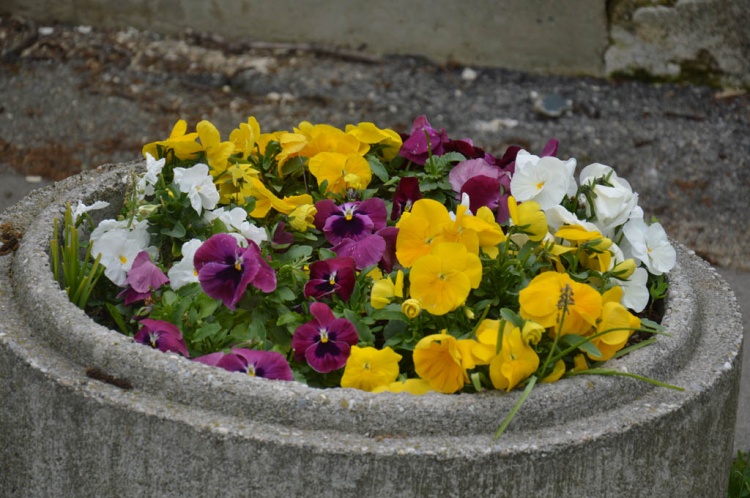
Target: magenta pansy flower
[(225, 269), (331, 276), (266, 364), (423, 139), (161, 335), (351, 220), (324, 342), (143, 278)]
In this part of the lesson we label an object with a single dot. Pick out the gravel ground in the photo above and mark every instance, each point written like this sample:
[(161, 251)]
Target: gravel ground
[(73, 98)]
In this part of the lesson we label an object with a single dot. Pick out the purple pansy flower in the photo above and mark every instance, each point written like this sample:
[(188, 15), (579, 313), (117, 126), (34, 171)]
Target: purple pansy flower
[(423, 139), (407, 193), (325, 341), (266, 364), (365, 252), (351, 220), (388, 261), (225, 269), (143, 278), (161, 335), (331, 276)]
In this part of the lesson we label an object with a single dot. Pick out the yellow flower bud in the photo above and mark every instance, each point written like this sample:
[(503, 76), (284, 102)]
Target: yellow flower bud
[(469, 313), (532, 332), (411, 308), (624, 269)]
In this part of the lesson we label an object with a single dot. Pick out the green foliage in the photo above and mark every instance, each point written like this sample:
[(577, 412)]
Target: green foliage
[(77, 276), (739, 476)]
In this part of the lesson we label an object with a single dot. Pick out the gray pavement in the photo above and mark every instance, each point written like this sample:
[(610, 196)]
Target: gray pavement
[(74, 98)]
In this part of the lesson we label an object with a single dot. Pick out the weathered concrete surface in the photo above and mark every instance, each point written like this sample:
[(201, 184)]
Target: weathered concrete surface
[(702, 41), (564, 37), (186, 429)]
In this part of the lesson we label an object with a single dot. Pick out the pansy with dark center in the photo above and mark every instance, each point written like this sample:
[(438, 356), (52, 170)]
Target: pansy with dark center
[(324, 342), (331, 276), (143, 278), (161, 335), (266, 364), (225, 269), (351, 220)]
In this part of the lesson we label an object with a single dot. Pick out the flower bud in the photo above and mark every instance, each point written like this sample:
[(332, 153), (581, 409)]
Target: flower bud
[(411, 308), (624, 269), (469, 313), (532, 332)]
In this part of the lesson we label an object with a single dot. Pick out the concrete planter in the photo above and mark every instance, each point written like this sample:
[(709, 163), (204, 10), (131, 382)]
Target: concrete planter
[(174, 428)]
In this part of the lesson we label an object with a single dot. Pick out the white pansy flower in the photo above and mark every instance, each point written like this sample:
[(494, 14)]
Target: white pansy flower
[(183, 272), (546, 180), (613, 205), (146, 182), (635, 292), (650, 245), (236, 221), (199, 186), (82, 208), (119, 246)]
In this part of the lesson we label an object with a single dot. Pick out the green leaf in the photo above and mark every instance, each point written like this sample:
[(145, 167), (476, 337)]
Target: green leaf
[(286, 294), (205, 331), (581, 343), (378, 169), (177, 231), (365, 335)]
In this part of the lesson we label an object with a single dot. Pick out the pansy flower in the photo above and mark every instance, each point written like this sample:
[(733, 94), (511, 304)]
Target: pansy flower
[(183, 272), (369, 368), (198, 185), (265, 364), (225, 269), (331, 276), (161, 335), (325, 341), (351, 220), (143, 278), (423, 140)]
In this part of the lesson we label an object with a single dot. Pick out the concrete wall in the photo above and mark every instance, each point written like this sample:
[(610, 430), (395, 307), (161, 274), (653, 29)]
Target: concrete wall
[(703, 41)]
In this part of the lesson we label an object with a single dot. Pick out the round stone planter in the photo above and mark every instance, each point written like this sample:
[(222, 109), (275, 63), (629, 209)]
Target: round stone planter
[(85, 411)]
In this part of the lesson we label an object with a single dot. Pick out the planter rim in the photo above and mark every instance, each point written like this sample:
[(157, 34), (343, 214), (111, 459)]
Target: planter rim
[(553, 414)]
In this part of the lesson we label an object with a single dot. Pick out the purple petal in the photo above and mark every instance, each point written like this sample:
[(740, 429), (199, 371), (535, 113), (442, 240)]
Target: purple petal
[(466, 170), (325, 209), (144, 275), (327, 357), (264, 278), (267, 364), (482, 191), (322, 313), (210, 359), (508, 161), (305, 336), (388, 261), (465, 147), (374, 208), (338, 228), (162, 335), (550, 148), (365, 252), (416, 148), (132, 296), (220, 247), (342, 330)]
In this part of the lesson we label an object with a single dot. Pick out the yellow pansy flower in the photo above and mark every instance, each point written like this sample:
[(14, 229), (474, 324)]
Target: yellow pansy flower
[(341, 171), (419, 230), (442, 280), (217, 152), (245, 137), (515, 362), (618, 321), (183, 144), (370, 134), (551, 293), (417, 387), (529, 218), (302, 217), (384, 290), (439, 360), (368, 368)]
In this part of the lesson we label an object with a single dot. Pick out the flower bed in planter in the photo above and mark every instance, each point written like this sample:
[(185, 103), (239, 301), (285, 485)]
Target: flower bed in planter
[(87, 411)]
